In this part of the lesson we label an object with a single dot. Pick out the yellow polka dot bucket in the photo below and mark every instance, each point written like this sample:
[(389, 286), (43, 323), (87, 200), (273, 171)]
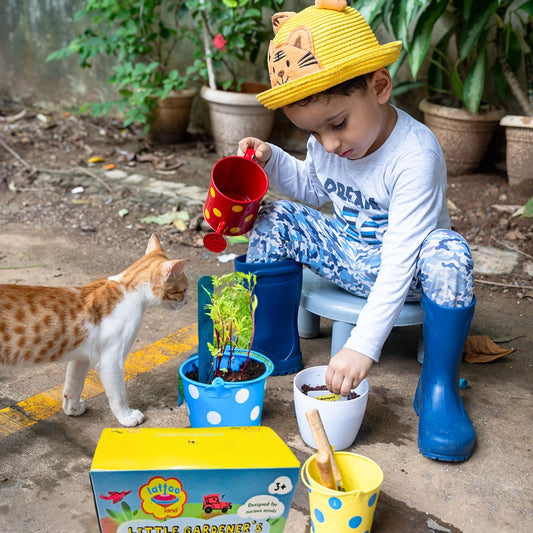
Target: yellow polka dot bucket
[(351, 510)]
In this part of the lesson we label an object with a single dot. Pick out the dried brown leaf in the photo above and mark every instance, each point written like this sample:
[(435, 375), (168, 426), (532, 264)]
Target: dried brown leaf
[(481, 349)]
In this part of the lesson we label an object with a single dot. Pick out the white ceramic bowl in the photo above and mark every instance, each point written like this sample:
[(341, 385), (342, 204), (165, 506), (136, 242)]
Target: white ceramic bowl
[(341, 419)]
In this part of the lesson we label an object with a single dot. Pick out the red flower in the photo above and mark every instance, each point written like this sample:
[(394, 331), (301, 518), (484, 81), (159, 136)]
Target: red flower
[(219, 42)]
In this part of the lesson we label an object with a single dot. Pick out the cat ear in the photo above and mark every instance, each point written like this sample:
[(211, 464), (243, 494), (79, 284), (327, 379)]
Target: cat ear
[(301, 38), (278, 19), (153, 245), (173, 268)]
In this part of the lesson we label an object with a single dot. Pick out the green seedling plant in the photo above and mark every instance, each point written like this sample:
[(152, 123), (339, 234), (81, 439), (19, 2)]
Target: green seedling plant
[(232, 311)]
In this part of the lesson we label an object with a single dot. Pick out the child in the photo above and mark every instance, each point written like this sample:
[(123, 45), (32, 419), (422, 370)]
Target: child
[(389, 238)]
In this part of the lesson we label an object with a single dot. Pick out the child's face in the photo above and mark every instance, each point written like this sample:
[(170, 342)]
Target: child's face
[(349, 126)]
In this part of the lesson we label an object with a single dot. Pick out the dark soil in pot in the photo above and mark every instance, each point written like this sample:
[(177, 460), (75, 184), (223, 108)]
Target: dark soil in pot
[(306, 388), (248, 372)]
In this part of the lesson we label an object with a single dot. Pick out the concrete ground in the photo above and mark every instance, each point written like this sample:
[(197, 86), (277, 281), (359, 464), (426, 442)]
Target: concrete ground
[(45, 458)]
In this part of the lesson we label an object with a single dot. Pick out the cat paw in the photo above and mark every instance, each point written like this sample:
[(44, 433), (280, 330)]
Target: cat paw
[(134, 418), (74, 408)]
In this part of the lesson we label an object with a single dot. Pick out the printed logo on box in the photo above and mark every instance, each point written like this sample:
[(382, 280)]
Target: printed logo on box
[(163, 498)]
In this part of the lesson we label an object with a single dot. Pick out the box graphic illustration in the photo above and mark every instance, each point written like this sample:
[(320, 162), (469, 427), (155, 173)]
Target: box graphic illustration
[(203, 480)]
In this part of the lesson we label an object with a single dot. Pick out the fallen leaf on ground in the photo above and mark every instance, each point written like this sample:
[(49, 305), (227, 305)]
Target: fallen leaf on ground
[(506, 208), (481, 349), (528, 208), (237, 239), (180, 225), (515, 235), (146, 157)]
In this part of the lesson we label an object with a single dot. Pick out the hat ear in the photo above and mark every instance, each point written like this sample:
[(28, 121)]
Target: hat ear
[(337, 5), (278, 19)]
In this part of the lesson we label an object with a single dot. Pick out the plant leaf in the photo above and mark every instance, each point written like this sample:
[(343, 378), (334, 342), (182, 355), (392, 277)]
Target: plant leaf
[(528, 7), (423, 33), (117, 516), (369, 9), (475, 27), (475, 82), (528, 209)]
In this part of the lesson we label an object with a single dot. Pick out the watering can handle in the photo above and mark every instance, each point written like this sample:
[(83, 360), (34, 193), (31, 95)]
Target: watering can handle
[(250, 152)]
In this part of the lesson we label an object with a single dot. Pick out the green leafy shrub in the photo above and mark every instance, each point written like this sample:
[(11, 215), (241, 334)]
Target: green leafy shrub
[(458, 70), (229, 36), (141, 35)]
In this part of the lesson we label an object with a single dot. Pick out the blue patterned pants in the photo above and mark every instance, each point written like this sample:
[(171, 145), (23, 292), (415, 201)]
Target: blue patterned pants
[(289, 230)]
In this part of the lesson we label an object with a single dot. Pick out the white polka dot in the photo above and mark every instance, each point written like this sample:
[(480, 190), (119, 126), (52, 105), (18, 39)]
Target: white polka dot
[(194, 392), (242, 395), (255, 413), (214, 418)]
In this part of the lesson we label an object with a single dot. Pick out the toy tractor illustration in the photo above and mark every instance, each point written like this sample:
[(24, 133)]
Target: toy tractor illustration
[(213, 502)]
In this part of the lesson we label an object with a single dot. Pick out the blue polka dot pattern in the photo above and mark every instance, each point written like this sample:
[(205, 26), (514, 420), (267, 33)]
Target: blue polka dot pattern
[(372, 499), (335, 503), (355, 522), (319, 515)]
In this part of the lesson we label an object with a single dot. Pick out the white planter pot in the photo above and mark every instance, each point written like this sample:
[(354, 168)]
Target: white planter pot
[(235, 115), (519, 153), (341, 419)]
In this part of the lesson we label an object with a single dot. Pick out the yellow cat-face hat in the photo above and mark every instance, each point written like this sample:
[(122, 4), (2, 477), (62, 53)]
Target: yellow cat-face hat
[(319, 48)]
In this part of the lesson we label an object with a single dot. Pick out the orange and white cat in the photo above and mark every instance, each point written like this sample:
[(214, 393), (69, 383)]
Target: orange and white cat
[(92, 325)]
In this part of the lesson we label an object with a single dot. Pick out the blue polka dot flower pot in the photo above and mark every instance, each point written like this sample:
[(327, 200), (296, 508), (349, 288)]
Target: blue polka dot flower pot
[(225, 404), (349, 510)]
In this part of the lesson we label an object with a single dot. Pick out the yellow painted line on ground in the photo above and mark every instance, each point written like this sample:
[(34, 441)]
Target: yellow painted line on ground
[(45, 404)]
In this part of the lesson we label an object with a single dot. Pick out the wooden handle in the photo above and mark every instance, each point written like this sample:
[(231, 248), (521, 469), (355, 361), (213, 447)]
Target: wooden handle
[(322, 443), (323, 464)]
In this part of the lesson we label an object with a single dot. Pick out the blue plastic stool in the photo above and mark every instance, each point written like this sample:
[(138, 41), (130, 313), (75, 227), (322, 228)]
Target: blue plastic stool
[(322, 298)]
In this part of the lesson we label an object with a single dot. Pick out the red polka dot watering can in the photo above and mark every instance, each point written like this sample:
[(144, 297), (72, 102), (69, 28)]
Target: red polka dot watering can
[(237, 187)]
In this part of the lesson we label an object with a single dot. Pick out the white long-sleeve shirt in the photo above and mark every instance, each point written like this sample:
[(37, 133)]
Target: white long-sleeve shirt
[(395, 196)]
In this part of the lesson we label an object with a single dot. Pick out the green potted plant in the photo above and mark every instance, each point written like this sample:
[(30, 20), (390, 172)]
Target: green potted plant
[(229, 39), (456, 36), (224, 383), (514, 74), (141, 35)]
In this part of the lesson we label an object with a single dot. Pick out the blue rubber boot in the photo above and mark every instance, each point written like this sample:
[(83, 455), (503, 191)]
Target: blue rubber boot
[(445, 431), (278, 291)]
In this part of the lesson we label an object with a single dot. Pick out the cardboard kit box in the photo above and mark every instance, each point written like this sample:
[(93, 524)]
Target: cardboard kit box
[(205, 480)]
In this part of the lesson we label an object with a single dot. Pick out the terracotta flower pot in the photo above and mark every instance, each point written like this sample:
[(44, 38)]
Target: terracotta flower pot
[(170, 117), (235, 115), (519, 154), (463, 137)]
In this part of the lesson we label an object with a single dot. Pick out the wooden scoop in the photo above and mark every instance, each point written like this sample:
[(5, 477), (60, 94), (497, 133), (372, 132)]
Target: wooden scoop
[(325, 471), (323, 446)]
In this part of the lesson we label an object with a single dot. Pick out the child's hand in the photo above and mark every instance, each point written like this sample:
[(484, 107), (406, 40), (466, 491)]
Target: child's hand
[(263, 152), (346, 370)]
